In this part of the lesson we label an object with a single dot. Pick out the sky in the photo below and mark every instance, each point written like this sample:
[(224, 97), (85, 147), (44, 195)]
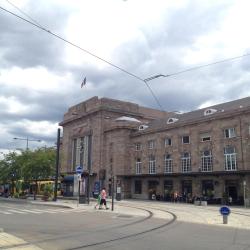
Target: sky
[(41, 75)]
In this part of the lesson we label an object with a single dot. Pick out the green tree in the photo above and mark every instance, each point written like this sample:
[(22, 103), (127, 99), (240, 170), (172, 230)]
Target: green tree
[(10, 169), (38, 165)]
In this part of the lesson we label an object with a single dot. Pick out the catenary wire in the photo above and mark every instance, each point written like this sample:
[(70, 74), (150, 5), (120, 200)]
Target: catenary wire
[(36, 24), (198, 67)]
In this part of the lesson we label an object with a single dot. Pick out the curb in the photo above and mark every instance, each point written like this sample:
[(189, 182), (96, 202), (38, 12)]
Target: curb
[(50, 204)]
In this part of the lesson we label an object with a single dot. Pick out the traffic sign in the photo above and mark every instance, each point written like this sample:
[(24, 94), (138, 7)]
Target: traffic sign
[(225, 210), (79, 169)]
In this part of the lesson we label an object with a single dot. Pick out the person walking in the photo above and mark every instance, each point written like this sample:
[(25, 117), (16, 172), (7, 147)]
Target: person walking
[(98, 202), (103, 199)]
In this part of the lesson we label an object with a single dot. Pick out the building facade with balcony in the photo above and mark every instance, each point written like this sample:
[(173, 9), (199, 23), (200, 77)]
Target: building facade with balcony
[(203, 153)]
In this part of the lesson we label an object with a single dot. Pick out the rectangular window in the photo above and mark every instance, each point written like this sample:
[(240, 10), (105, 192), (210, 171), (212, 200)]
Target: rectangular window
[(138, 146), (152, 165), (167, 142), (151, 144), (80, 152), (138, 167), (186, 162), (185, 139), (168, 164), (207, 161), (230, 158), (138, 187), (205, 137), (229, 133)]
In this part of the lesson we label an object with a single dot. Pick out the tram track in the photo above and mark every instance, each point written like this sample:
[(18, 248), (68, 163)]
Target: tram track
[(144, 220), (171, 221)]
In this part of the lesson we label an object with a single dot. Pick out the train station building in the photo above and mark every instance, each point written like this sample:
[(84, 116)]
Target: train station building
[(151, 153)]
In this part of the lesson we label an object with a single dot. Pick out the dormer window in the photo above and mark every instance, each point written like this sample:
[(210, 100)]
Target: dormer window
[(142, 127), (209, 111), (172, 120)]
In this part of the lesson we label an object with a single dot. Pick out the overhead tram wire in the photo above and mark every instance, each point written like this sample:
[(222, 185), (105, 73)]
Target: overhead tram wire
[(33, 20), (146, 80), (36, 24), (197, 67)]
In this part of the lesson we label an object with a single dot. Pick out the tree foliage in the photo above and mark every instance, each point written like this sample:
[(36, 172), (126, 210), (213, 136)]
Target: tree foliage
[(28, 165)]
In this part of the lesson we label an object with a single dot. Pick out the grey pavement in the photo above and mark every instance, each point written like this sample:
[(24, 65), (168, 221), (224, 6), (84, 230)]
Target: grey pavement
[(190, 213)]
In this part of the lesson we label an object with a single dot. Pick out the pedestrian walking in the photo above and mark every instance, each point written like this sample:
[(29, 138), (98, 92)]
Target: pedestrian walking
[(103, 199), (98, 202)]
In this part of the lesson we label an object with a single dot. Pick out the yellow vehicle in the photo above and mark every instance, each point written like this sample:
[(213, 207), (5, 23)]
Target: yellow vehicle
[(42, 184)]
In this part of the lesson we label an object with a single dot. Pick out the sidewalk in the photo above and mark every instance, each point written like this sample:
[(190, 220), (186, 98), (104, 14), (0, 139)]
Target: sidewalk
[(11, 242)]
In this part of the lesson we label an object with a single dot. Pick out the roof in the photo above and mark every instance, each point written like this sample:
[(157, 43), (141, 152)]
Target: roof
[(219, 110)]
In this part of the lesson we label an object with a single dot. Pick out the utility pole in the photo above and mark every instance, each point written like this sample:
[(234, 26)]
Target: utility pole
[(57, 164)]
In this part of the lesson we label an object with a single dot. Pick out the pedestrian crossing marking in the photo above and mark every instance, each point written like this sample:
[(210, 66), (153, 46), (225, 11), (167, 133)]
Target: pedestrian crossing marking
[(3, 212), (40, 211), (16, 211), (30, 211)]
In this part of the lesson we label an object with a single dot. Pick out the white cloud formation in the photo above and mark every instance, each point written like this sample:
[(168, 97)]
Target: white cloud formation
[(40, 76)]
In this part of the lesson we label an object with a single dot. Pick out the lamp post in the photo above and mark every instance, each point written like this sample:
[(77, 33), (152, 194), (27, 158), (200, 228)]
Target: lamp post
[(27, 140)]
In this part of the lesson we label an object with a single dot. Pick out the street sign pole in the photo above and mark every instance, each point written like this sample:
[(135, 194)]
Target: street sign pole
[(79, 171), (244, 193), (225, 211), (113, 191)]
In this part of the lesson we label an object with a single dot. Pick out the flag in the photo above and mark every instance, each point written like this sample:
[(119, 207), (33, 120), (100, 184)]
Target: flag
[(83, 82)]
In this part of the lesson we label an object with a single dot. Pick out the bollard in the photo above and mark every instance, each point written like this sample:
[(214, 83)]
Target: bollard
[(225, 219), (225, 211)]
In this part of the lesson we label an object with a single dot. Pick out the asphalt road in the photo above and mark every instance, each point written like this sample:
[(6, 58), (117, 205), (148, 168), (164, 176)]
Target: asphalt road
[(63, 228)]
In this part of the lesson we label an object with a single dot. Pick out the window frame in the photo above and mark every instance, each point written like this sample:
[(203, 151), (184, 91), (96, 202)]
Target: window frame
[(138, 166), (168, 164), (138, 146), (229, 133), (167, 141), (186, 163), (151, 144), (205, 137), (152, 165), (207, 161), (185, 136), (230, 159)]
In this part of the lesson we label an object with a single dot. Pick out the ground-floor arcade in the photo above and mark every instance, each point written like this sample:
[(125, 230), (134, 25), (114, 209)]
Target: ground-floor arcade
[(216, 189)]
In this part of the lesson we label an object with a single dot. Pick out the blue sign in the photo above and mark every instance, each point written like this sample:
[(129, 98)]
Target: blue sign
[(225, 210), (97, 188), (79, 169)]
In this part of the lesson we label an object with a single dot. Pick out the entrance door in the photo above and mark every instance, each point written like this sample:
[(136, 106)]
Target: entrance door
[(232, 192), (186, 190), (152, 187), (231, 189)]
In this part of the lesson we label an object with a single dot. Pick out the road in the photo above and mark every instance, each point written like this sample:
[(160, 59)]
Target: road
[(136, 225)]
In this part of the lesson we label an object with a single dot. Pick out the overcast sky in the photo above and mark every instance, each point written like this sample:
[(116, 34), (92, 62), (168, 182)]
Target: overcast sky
[(40, 75)]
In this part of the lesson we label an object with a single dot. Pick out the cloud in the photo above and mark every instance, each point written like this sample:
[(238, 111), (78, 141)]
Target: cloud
[(40, 76)]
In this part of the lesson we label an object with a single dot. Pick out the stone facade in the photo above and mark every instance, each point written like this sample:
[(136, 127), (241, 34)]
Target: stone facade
[(164, 154)]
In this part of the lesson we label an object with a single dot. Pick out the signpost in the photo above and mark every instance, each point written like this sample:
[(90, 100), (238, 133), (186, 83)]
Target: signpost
[(244, 193), (225, 211), (79, 171)]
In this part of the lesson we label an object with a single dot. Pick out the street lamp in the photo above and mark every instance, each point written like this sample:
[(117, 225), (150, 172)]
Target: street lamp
[(153, 77), (27, 140)]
